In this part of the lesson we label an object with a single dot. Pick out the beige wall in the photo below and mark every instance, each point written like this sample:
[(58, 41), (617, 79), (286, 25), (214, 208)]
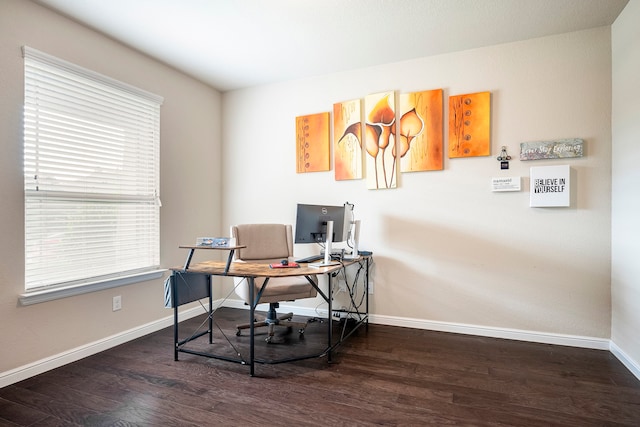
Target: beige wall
[(447, 250), (190, 184), (626, 182)]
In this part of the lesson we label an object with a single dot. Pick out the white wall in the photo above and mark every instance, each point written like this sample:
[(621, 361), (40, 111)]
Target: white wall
[(190, 186), (446, 248), (625, 235)]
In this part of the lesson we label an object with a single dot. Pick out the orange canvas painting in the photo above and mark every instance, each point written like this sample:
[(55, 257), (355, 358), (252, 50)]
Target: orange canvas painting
[(347, 140), (470, 125), (312, 143), (420, 145), (379, 140)]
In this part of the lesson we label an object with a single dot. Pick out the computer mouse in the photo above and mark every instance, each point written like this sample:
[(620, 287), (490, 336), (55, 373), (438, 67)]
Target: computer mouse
[(284, 262)]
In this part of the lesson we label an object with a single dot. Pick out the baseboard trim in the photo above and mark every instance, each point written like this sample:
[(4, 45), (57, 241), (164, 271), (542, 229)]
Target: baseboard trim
[(61, 359), (493, 332), (297, 310), (458, 328), (628, 362), (49, 363)]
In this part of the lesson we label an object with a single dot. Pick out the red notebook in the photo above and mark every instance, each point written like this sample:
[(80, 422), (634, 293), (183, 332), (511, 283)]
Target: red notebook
[(290, 265)]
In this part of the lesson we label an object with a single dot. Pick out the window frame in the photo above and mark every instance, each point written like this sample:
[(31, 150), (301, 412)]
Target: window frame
[(88, 80)]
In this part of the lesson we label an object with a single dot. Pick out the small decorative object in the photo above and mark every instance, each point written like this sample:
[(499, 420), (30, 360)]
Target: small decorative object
[(503, 154), (504, 158), (556, 149), (550, 186), (312, 143), (507, 183), (347, 140), (380, 140), (420, 145), (214, 242), (470, 125)]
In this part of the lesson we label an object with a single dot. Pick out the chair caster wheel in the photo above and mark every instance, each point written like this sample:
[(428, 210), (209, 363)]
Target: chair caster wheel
[(238, 332)]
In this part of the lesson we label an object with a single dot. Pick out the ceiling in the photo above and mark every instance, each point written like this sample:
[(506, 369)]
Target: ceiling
[(232, 44)]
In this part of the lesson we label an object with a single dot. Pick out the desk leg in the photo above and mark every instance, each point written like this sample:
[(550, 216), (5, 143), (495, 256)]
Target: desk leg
[(210, 312), (175, 317), (175, 333), (330, 320), (252, 316), (366, 290), (188, 261), (229, 259)]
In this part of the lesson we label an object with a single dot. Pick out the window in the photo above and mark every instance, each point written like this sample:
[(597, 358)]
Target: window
[(91, 176)]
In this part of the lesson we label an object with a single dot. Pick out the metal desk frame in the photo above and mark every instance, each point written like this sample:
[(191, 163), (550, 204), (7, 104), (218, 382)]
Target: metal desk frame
[(251, 271)]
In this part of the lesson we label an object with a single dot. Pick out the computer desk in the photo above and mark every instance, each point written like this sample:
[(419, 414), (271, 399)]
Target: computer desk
[(193, 283)]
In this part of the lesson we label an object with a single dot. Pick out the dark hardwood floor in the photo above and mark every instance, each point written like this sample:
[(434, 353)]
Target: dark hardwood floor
[(383, 376)]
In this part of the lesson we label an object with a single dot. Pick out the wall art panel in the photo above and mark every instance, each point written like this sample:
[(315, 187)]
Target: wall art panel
[(347, 140), (470, 125), (312, 143), (379, 139), (420, 145)]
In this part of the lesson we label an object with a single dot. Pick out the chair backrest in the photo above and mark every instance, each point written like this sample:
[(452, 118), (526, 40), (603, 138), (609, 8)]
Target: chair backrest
[(269, 243), (264, 242)]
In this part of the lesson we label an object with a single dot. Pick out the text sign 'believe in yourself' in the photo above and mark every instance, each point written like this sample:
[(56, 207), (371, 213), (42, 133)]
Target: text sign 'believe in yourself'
[(550, 186)]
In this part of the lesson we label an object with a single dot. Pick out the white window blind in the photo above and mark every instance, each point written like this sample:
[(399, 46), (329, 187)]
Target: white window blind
[(91, 169)]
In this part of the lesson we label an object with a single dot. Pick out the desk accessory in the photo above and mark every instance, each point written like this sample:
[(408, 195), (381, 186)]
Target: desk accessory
[(289, 264), (213, 241)]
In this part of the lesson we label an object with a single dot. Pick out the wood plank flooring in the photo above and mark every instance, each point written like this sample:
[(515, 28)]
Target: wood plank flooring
[(384, 376)]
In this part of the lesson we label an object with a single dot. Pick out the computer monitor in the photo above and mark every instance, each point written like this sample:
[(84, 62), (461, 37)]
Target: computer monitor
[(311, 223)]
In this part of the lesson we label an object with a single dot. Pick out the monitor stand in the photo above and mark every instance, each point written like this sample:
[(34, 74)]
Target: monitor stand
[(327, 249), (356, 241)]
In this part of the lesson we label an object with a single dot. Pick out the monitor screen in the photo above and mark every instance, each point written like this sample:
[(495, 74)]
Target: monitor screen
[(311, 223)]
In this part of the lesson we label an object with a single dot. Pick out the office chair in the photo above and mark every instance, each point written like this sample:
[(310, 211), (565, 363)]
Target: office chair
[(268, 244)]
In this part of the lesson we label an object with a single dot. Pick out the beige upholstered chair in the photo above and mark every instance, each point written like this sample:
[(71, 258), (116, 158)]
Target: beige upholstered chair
[(267, 244)]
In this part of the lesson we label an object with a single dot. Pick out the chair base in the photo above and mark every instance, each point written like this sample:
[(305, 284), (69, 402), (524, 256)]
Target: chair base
[(272, 320)]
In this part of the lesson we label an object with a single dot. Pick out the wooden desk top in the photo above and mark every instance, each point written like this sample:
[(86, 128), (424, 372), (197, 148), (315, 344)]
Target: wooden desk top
[(225, 247), (249, 269)]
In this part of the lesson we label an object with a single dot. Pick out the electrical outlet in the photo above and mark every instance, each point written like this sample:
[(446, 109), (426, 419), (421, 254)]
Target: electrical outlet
[(370, 287), (117, 303)]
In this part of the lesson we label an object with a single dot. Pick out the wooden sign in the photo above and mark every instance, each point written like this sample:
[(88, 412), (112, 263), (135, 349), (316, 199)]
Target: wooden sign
[(557, 149)]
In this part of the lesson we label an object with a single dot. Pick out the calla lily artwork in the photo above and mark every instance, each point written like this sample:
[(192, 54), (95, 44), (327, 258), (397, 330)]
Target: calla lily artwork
[(347, 140), (419, 145), (380, 141)]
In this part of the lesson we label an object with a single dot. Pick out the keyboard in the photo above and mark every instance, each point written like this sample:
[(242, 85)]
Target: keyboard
[(312, 258)]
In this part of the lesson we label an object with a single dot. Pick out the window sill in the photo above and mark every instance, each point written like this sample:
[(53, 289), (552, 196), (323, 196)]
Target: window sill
[(36, 297)]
